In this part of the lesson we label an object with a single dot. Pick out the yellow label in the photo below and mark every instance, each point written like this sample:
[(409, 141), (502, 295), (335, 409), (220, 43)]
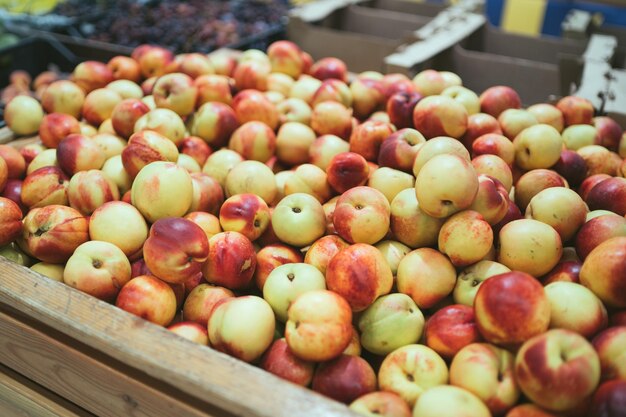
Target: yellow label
[(523, 16)]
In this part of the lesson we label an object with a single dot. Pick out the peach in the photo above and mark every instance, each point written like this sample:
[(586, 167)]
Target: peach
[(309, 179), (450, 329), (43, 187), (609, 132), (163, 121), (608, 399), (55, 127), (247, 214), (576, 308), (600, 160), (210, 223), (410, 371), (471, 278), (332, 89), (409, 224), (201, 302), (14, 165), (440, 116), (564, 271), (79, 153), (88, 190), (609, 345), (319, 325), (45, 158), (91, 75), (252, 105), (492, 199), (242, 327), (609, 194), (495, 100), (548, 114), (345, 378), (175, 249), (367, 138), (530, 246), (124, 68), (97, 268), (149, 298), (426, 275), (381, 403), (400, 107), (399, 149), (99, 105), (445, 185), (63, 96), (532, 182), (323, 250), (299, 220), (332, 118), (10, 221), (214, 122), (121, 224), (538, 146), (572, 167), (510, 308), (392, 321), (219, 164), (53, 232), (486, 371), (465, 238), (329, 67), (196, 148), (449, 401), (191, 331), (231, 261), (560, 208), (272, 256), (557, 370), (362, 215), (208, 195), (478, 125), (494, 144), (254, 140), (360, 274), (280, 361), (214, 88), (293, 142), (125, 114), (513, 121), (438, 146), (603, 272), (251, 177), (347, 170), (576, 110)]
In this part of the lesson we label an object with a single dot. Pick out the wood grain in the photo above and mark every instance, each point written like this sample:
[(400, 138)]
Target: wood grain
[(20, 396), (218, 379), (89, 382)]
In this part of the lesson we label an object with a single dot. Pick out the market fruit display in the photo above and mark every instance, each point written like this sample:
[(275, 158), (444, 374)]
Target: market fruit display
[(405, 246)]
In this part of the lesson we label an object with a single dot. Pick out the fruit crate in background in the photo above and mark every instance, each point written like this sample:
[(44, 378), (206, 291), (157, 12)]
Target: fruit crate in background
[(361, 34), (536, 67)]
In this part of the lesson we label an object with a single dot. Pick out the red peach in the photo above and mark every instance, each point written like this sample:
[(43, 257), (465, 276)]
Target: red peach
[(360, 274), (345, 378), (175, 249), (450, 329), (55, 127), (231, 261), (280, 361)]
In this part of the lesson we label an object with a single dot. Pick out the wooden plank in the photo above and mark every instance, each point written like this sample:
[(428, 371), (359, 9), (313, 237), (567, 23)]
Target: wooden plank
[(20, 396), (203, 373), (91, 382)]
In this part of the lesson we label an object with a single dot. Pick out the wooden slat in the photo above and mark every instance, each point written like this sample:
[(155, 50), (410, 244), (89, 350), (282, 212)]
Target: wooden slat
[(87, 381), (203, 373), (20, 396)]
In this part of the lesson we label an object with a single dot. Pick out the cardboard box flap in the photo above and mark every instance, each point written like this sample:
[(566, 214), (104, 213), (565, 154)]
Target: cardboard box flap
[(594, 83), (601, 48), (318, 10), (443, 32)]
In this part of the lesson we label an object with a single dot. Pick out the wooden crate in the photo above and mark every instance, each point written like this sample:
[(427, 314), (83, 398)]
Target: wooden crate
[(61, 349)]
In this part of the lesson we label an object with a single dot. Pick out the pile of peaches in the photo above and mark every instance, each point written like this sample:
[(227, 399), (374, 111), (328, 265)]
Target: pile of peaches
[(402, 245)]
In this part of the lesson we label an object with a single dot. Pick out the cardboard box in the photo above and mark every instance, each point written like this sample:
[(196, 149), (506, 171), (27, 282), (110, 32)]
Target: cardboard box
[(360, 33)]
